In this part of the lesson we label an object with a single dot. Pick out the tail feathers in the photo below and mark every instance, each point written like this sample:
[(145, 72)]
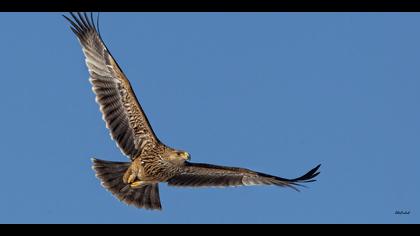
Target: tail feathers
[(111, 176)]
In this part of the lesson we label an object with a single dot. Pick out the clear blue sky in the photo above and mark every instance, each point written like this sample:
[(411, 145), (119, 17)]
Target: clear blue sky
[(274, 92)]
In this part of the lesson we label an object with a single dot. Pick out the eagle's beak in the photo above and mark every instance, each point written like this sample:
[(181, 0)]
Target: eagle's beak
[(186, 156)]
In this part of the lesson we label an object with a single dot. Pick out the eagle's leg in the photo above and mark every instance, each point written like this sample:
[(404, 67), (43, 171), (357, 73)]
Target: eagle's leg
[(131, 174)]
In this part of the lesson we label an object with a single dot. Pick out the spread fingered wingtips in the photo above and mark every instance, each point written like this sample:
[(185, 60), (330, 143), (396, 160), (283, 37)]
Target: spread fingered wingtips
[(308, 177), (121, 111)]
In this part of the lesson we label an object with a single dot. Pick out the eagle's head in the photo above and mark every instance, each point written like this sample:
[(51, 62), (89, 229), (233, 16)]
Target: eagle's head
[(178, 156)]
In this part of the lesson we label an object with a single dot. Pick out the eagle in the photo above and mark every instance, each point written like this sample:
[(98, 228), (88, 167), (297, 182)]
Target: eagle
[(151, 161)]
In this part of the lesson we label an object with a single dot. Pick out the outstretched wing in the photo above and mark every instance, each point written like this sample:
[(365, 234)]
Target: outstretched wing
[(206, 175), (120, 109)]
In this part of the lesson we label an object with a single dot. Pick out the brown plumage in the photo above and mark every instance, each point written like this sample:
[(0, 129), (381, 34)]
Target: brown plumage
[(136, 183)]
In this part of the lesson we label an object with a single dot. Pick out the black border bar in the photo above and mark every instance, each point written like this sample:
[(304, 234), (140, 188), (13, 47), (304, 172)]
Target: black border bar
[(212, 5)]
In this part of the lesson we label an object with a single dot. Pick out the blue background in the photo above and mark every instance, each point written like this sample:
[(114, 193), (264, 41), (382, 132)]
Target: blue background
[(274, 92)]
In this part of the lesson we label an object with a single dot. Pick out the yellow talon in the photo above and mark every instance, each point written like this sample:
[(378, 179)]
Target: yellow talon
[(137, 184)]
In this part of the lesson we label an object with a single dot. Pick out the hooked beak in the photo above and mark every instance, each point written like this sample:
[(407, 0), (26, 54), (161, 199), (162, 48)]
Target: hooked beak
[(186, 156)]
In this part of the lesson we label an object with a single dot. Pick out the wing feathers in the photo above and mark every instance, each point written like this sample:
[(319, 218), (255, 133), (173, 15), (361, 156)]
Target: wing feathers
[(206, 175), (121, 111)]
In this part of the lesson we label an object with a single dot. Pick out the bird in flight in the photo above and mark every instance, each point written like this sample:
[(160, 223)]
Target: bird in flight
[(151, 161)]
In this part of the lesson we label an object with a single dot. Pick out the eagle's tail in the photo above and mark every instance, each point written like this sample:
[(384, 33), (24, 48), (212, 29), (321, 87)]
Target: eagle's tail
[(111, 175)]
